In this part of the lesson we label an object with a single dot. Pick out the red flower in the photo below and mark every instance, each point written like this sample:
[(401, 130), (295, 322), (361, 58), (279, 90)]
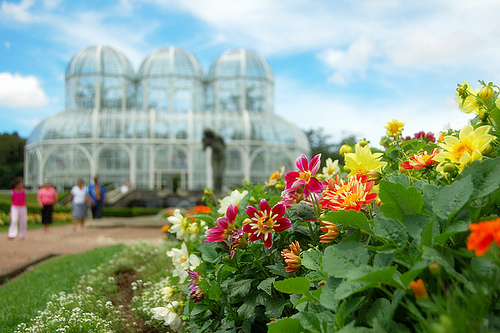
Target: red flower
[(304, 178), (350, 194), (225, 225), (420, 161), (261, 224), (483, 234)]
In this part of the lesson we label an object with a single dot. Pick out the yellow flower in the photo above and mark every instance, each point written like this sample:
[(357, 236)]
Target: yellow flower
[(470, 104), (362, 161), (469, 146), (394, 127)]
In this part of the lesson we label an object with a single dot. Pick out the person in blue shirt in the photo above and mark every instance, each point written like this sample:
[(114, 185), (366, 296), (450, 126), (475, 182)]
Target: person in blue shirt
[(97, 193)]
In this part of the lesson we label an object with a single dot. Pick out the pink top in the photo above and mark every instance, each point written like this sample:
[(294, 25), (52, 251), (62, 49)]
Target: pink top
[(47, 196), (18, 198)]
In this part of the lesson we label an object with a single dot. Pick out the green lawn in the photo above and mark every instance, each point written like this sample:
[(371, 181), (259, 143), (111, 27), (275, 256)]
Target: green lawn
[(23, 297)]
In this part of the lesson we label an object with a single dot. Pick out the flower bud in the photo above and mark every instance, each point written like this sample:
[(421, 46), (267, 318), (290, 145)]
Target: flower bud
[(252, 200), (363, 143), (449, 167), (345, 149), (279, 186), (207, 192), (373, 175), (434, 268), (486, 93), (488, 149), (346, 169)]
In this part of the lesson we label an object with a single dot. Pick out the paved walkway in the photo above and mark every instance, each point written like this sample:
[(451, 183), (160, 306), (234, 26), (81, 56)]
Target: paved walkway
[(16, 255)]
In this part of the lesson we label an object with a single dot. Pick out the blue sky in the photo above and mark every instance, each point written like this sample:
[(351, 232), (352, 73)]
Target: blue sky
[(346, 66)]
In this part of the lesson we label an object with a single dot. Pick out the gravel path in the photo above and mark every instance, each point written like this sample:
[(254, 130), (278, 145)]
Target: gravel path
[(16, 255)]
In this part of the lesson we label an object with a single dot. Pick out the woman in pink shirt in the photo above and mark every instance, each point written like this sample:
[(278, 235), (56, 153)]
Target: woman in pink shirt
[(18, 210), (47, 200)]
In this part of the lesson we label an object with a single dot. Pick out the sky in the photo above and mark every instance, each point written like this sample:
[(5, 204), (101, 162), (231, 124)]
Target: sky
[(346, 66)]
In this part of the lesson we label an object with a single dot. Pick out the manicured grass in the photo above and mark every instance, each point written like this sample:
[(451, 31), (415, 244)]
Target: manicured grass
[(23, 297)]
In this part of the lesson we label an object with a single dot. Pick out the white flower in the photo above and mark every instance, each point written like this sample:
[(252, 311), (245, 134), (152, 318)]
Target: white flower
[(182, 262), (169, 315), (331, 168), (180, 225), (233, 199)]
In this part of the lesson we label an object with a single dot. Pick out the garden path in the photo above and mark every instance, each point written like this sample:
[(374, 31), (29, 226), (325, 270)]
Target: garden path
[(17, 255)]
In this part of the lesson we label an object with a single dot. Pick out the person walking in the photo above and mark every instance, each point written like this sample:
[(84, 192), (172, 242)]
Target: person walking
[(47, 200), (79, 196), (97, 193), (18, 210)]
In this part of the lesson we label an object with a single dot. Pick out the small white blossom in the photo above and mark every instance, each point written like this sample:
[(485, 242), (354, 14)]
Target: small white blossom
[(182, 262), (233, 199), (169, 315)]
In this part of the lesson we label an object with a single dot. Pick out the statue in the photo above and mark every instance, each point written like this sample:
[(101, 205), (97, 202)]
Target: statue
[(215, 141)]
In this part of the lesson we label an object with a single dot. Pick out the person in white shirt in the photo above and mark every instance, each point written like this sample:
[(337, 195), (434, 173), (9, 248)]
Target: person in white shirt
[(79, 196)]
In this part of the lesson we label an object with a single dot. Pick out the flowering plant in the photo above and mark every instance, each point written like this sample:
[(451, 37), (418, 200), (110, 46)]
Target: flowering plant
[(383, 246)]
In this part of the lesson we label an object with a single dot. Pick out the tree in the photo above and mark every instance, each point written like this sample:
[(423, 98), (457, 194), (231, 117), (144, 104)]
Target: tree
[(321, 143), (11, 158)]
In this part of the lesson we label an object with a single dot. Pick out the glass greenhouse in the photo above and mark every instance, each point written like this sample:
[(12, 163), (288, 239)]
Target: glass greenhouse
[(146, 128)]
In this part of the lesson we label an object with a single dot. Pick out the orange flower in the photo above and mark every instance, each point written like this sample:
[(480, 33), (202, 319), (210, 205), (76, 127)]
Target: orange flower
[(482, 236), (332, 232), (418, 288), (165, 228), (291, 256), (350, 194), (420, 161)]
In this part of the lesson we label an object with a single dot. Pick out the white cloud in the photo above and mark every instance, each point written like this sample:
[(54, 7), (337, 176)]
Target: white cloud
[(18, 12), (7, 45), (21, 91), (353, 61)]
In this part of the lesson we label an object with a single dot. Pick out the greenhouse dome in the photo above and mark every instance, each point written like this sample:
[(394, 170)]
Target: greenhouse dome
[(152, 138)]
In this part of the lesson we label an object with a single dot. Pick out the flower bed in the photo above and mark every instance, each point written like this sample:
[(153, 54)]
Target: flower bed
[(400, 240)]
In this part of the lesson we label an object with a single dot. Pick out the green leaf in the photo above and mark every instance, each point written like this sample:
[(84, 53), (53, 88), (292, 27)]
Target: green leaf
[(312, 260), (455, 228), (275, 306), (238, 290), (381, 308), (381, 276), (209, 252), (304, 211), (278, 269), (350, 218), (450, 199), (267, 285), (383, 260), (288, 325), (347, 288), (247, 309), (327, 298), (485, 175), (391, 230), (415, 224), (316, 276), (340, 258), (399, 200), (214, 292), (296, 285)]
